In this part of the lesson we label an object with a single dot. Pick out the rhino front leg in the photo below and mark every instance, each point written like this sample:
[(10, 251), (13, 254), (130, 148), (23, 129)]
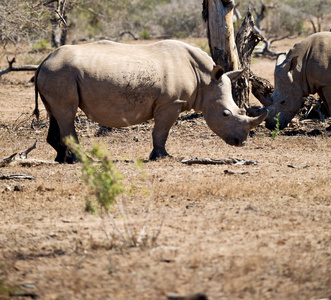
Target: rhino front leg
[(164, 118)]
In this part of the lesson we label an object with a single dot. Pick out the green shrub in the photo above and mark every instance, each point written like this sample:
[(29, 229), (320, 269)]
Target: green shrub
[(276, 131), (109, 194), (103, 179)]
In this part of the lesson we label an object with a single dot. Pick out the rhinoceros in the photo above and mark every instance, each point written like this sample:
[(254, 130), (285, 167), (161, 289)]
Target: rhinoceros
[(118, 85), (305, 70)]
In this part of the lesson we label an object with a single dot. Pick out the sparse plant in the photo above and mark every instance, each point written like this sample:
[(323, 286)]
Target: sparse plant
[(109, 195), (276, 132)]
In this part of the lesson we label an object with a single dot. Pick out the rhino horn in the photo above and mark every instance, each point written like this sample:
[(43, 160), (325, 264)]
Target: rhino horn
[(252, 112), (266, 101), (255, 121)]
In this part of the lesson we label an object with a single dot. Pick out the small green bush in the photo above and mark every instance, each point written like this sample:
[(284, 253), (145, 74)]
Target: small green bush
[(104, 180), (276, 131), (109, 193)]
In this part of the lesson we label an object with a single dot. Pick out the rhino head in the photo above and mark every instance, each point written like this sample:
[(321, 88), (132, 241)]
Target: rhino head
[(286, 100), (222, 114)]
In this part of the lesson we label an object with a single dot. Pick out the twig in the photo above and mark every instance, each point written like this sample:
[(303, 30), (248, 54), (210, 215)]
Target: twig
[(8, 160), (24, 154), (49, 2), (112, 222), (61, 17), (142, 233), (285, 37)]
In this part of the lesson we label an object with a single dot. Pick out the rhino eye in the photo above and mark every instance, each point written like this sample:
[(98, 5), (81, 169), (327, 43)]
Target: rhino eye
[(226, 113), (283, 102)]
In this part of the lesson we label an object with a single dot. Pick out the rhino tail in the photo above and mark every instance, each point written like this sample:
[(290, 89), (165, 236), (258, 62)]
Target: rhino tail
[(36, 91)]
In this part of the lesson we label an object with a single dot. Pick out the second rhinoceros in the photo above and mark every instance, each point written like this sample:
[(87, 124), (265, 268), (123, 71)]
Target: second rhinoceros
[(118, 85), (305, 70)]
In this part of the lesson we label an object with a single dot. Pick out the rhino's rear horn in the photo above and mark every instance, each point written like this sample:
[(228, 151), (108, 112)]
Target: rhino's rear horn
[(255, 121)]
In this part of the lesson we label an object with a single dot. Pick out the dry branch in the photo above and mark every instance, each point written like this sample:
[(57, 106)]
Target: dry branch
[(261, 87), (222, 161), (24, 154), (4, 162), (16, 177), (12, 68), (23, 161), (246, 40), (266, 51)]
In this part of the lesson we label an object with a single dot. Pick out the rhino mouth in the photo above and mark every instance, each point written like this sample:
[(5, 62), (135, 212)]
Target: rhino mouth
[(237, 142)]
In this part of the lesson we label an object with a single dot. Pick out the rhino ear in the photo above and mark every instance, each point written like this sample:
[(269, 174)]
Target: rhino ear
[(294, 62), (217, 73), (290, 66), (234, 75)]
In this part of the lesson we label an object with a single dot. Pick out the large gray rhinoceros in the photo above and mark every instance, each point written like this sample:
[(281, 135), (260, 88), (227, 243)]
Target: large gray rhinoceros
[(305, 70), (118, 85)]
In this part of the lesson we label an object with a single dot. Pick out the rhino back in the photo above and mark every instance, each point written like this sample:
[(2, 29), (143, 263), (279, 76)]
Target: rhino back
[(314, 57), (121, 84)]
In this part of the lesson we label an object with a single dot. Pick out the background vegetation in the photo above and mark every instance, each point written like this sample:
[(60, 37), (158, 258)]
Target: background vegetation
[(29, 21)]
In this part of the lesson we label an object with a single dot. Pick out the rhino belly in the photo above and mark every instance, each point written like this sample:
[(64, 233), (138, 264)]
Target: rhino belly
[(117, 105)]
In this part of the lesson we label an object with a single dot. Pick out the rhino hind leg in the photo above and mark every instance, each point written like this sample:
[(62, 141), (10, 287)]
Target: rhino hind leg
[(64, 155), (164, 118), (326, 96)]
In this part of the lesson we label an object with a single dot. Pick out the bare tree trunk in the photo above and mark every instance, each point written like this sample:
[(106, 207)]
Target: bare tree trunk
[(218, 17), (225, 51), (59, 22)]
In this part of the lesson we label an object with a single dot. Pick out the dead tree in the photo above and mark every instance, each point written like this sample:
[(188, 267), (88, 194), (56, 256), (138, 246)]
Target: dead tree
[(260, 15), (58, 21), (246, 40), (218, 17), (226, 51)]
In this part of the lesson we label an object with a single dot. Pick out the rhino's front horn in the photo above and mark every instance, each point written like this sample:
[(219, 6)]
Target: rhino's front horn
[(258, 120), (266, 101)]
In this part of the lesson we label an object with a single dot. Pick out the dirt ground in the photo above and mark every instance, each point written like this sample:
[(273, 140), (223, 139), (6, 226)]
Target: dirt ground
[(259, 231)]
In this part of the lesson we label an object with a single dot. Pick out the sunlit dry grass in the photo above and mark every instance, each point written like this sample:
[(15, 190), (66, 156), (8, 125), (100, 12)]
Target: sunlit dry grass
[(263, 232)]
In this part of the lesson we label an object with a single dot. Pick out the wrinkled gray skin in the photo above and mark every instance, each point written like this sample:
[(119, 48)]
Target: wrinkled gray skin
[(118, 85), (305, 70)]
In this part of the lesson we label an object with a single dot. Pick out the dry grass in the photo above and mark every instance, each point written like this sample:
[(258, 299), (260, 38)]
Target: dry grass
[(265, 234)]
